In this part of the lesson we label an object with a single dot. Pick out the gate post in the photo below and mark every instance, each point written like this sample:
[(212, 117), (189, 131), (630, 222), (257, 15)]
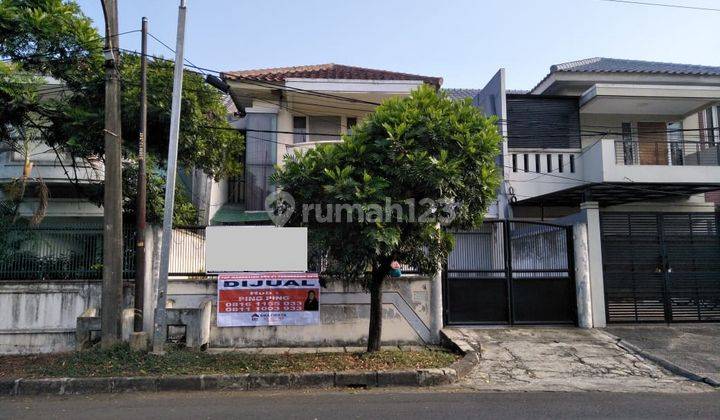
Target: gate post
[(581, 257), (591, 211)]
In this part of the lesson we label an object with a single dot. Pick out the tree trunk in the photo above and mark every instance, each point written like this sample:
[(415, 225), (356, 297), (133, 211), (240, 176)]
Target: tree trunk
[(375, 331)]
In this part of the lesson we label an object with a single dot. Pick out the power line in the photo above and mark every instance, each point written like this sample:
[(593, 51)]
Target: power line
[(674, 6)]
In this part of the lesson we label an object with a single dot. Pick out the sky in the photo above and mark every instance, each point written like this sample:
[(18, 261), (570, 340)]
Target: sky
[(463, 41)]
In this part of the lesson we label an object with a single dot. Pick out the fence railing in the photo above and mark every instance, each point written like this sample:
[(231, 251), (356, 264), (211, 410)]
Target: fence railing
[(187, 252), (61, 253), (671, 153)]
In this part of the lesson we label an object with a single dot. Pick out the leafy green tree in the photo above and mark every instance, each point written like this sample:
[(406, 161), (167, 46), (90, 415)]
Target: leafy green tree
[(52, 38), (432, 157)]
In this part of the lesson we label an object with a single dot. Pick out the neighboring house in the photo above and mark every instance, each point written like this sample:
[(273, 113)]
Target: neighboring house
[(287, 109), (630, 148), (67, 205)]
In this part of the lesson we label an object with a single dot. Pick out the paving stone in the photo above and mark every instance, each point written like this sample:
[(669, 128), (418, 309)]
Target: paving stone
[(133, 384), (274, 350), (389, 348), (179, 383), (209, 382), (331, 349), (397, 378), (433, 377), (303, 350), (41, 386), (7, 387), (88, 385), (314, 380), (412, 348), (231, 381), (355, 379), (269, 380)]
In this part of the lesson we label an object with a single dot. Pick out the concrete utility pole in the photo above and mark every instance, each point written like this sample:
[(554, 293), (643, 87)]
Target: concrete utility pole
[(112, 290), (160, 333), (141, 189)]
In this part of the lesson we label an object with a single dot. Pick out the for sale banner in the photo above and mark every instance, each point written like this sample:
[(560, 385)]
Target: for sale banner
[(252, 299)]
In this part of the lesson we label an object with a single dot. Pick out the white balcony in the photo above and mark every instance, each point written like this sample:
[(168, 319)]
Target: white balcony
[(614, 170)]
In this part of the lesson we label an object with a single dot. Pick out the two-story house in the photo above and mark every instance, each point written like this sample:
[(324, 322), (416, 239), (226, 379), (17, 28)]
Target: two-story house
[(632, 149), (64, 179), (285, 109)]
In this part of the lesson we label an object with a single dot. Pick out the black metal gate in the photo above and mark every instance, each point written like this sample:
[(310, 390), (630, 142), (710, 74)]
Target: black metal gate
[(511, 273), (661, 267)]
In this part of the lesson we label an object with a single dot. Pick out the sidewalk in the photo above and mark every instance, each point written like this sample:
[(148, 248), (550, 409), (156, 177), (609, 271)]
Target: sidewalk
[(694, 348), (564, 359)]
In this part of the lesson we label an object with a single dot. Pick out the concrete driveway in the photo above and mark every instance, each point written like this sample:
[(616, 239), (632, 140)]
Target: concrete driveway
[(693, 347), (563, 359)]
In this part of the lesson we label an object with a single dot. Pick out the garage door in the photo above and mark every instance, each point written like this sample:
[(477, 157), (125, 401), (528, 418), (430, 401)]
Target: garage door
[(510, 273), (661, 267)]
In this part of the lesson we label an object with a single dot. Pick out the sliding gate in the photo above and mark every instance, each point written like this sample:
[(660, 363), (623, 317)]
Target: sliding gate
[(661, 267), (511, 273)]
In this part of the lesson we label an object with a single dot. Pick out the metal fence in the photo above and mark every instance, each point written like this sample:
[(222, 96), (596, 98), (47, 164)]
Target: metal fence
[(187, 252), (673, 153), (58, 253)]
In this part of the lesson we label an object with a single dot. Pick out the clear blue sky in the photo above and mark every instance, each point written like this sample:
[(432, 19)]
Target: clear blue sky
[(463, 41)]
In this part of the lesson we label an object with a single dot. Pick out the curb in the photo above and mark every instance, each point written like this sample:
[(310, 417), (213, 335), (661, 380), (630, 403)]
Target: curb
[(247, 382), (664, 363), (471, 357)]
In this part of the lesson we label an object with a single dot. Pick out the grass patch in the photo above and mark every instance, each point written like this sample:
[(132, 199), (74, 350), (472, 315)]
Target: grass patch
[(121, 361)]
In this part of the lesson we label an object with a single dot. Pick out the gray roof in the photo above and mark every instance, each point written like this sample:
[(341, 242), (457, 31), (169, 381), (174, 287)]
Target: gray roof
[(458, 94), (615, 65)]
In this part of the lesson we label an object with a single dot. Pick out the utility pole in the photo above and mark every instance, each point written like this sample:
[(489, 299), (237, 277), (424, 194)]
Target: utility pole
[(160, 333), (112, 289), (141, 189)]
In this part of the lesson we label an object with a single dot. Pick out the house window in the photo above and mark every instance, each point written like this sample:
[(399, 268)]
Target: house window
[(514, 162), (549, 162), (300, 129), (537, 163), (324, 128), (560, 163), (526, 163), (676, 153), (711, 129), (260, 159), (351, 123), (628, 144), (572, 163)]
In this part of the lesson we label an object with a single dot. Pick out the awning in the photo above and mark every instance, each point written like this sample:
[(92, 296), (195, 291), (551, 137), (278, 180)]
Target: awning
[(666, 100)]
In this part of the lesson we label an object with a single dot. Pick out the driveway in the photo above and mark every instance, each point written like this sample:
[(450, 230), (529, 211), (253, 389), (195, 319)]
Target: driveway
[(564, 359), (694, 347)]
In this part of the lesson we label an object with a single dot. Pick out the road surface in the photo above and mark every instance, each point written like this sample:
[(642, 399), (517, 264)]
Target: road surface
[(373, 404)]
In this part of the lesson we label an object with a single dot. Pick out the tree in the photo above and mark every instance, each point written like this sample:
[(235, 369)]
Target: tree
[(426, 155), (52, 38)]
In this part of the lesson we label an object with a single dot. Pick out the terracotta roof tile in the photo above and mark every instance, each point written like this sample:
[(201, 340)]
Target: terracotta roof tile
[(325, 71)]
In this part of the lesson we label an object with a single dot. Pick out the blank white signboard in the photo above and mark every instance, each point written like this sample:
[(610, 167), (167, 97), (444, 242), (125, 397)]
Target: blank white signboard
[(255, 248)]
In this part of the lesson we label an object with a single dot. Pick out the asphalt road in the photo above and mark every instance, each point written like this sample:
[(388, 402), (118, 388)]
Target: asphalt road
[(376, 404)]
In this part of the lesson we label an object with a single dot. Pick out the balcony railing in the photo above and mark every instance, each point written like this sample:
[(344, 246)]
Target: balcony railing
[(670, 153)]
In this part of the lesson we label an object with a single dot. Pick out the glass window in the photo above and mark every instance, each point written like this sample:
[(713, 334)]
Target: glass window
[(300, 129), (628, 144), (710, 125), (260, 159), (351, 122), (324, 128)]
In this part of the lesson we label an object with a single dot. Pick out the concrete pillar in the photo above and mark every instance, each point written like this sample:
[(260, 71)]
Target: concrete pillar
[(153, 236), (591, 212), (436, 306), (582, 275)]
